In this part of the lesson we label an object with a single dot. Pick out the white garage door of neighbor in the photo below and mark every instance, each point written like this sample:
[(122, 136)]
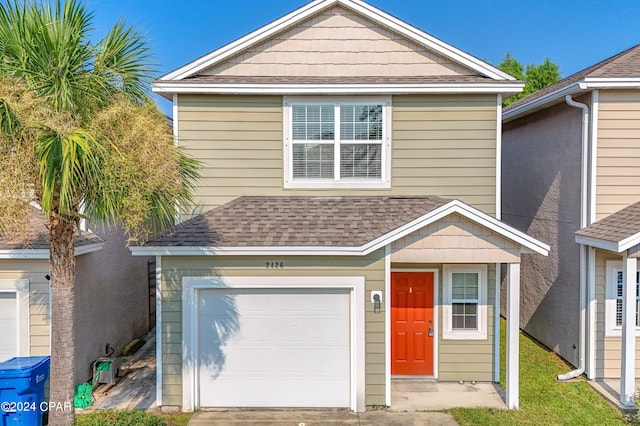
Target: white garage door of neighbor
[(8, 326), (274, 347)]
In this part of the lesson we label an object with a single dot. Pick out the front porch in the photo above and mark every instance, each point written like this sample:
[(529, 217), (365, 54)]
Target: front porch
[(432, 395)]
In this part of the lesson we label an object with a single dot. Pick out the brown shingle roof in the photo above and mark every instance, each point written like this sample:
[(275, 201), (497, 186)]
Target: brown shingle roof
[(624, 64), (39, 239), (298, 222), (231, 79), (616, 227)]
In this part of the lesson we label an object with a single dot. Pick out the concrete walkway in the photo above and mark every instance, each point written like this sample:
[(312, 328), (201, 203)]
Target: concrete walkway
[(324, 417)]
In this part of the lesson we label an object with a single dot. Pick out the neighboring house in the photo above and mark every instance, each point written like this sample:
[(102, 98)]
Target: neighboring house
[(571, 160), (112, 296), (350, 228)]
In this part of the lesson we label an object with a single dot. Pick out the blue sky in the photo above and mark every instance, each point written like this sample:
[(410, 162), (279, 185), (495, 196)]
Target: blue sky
[(573, 33)]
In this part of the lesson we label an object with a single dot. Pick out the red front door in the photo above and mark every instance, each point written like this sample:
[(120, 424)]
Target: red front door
[(412, 323)]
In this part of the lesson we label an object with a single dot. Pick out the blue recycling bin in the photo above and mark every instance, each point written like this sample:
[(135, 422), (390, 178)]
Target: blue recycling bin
[(22, 382)]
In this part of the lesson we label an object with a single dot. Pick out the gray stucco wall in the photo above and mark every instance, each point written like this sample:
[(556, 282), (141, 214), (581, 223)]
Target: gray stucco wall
[(541, 196), (112, 301)]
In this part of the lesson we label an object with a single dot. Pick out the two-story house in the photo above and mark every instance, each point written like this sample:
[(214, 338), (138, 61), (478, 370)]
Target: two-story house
[(570, 177), (349, 228)]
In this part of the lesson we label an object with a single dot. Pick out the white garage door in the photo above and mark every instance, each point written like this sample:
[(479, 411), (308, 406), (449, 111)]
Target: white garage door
[(8, 326), (274, 348)]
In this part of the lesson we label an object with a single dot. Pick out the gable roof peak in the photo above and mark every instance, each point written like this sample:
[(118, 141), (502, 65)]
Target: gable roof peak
[(318, 6)]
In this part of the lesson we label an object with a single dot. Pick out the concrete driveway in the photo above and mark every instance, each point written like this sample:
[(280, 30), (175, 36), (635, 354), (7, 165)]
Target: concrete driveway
[(323, 417), (136, 390)]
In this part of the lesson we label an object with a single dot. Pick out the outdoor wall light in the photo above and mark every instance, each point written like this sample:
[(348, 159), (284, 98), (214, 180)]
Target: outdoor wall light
[(376, 299)]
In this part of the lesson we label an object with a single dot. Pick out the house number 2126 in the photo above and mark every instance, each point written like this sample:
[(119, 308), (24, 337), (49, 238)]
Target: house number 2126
[(274, 265)]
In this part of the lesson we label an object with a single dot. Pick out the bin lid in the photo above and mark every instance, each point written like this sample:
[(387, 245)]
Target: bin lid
[(21, 366)]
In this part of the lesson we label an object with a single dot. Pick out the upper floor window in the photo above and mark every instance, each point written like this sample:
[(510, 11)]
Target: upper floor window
[(615, 281), (344, 143)]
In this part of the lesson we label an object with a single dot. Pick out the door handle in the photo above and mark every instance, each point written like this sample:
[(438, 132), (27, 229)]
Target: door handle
[(430, 331)]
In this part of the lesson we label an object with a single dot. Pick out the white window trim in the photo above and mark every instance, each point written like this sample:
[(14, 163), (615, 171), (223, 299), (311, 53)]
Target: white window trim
[(383, 183), (448, 333), (21, 288), (611, 329)]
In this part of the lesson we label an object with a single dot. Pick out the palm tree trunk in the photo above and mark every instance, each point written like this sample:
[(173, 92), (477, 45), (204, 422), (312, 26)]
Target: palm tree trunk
[(62, 264)]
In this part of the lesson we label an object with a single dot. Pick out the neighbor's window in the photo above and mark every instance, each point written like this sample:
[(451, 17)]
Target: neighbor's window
[(337, 144), (615, 278), (465, 302)]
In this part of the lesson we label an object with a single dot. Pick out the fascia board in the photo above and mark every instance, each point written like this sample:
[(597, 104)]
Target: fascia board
[(245, 251), (367, 10), (613, 246), (629, 242), (89, 248), (542, 101), (598, 243), (25, 254), (335, 89), (44, 253), (244, 42), (528, 243), (611, 83)]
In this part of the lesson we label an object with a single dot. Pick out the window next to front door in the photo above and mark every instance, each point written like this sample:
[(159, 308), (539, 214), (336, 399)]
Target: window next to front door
[(465, 302), (613, 303), (337, 143)]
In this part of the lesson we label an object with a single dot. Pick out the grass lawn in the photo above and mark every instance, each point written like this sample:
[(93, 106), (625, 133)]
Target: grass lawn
[(543, 400), (132, 418)]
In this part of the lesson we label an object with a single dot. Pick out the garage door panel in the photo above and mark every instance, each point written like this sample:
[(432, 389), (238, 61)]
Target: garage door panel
[(287, 348), (8, 326)]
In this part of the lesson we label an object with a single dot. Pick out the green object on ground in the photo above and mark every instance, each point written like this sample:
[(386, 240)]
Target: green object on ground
[(83, 396), (103, 366)]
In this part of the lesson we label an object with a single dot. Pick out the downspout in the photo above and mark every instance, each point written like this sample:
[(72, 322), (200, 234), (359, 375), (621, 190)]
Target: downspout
[(583, 222)]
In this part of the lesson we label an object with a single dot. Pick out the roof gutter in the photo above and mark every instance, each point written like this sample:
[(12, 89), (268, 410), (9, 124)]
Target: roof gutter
[(584, 199), (542, 101)]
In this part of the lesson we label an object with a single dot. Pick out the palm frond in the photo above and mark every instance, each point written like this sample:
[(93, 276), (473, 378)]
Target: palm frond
[(68, 165), (122, 61)]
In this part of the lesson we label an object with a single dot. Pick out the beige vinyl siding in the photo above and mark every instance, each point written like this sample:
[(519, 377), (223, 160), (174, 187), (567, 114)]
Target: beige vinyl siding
[(175, 268), (446, 146), (442, 145), (337, 42), (33, 270), (468, 359), (454, 239), (238, 140), (618, 163), (608, 349)]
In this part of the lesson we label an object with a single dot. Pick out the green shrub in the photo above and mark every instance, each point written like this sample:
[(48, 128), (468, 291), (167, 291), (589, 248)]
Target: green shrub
[(120, 418)]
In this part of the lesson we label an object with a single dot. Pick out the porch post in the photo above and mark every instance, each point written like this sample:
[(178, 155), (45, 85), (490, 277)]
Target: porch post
[(513, 335), (627, 377)]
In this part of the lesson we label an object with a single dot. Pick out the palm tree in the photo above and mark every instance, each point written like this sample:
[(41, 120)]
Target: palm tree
[(80, 137)]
